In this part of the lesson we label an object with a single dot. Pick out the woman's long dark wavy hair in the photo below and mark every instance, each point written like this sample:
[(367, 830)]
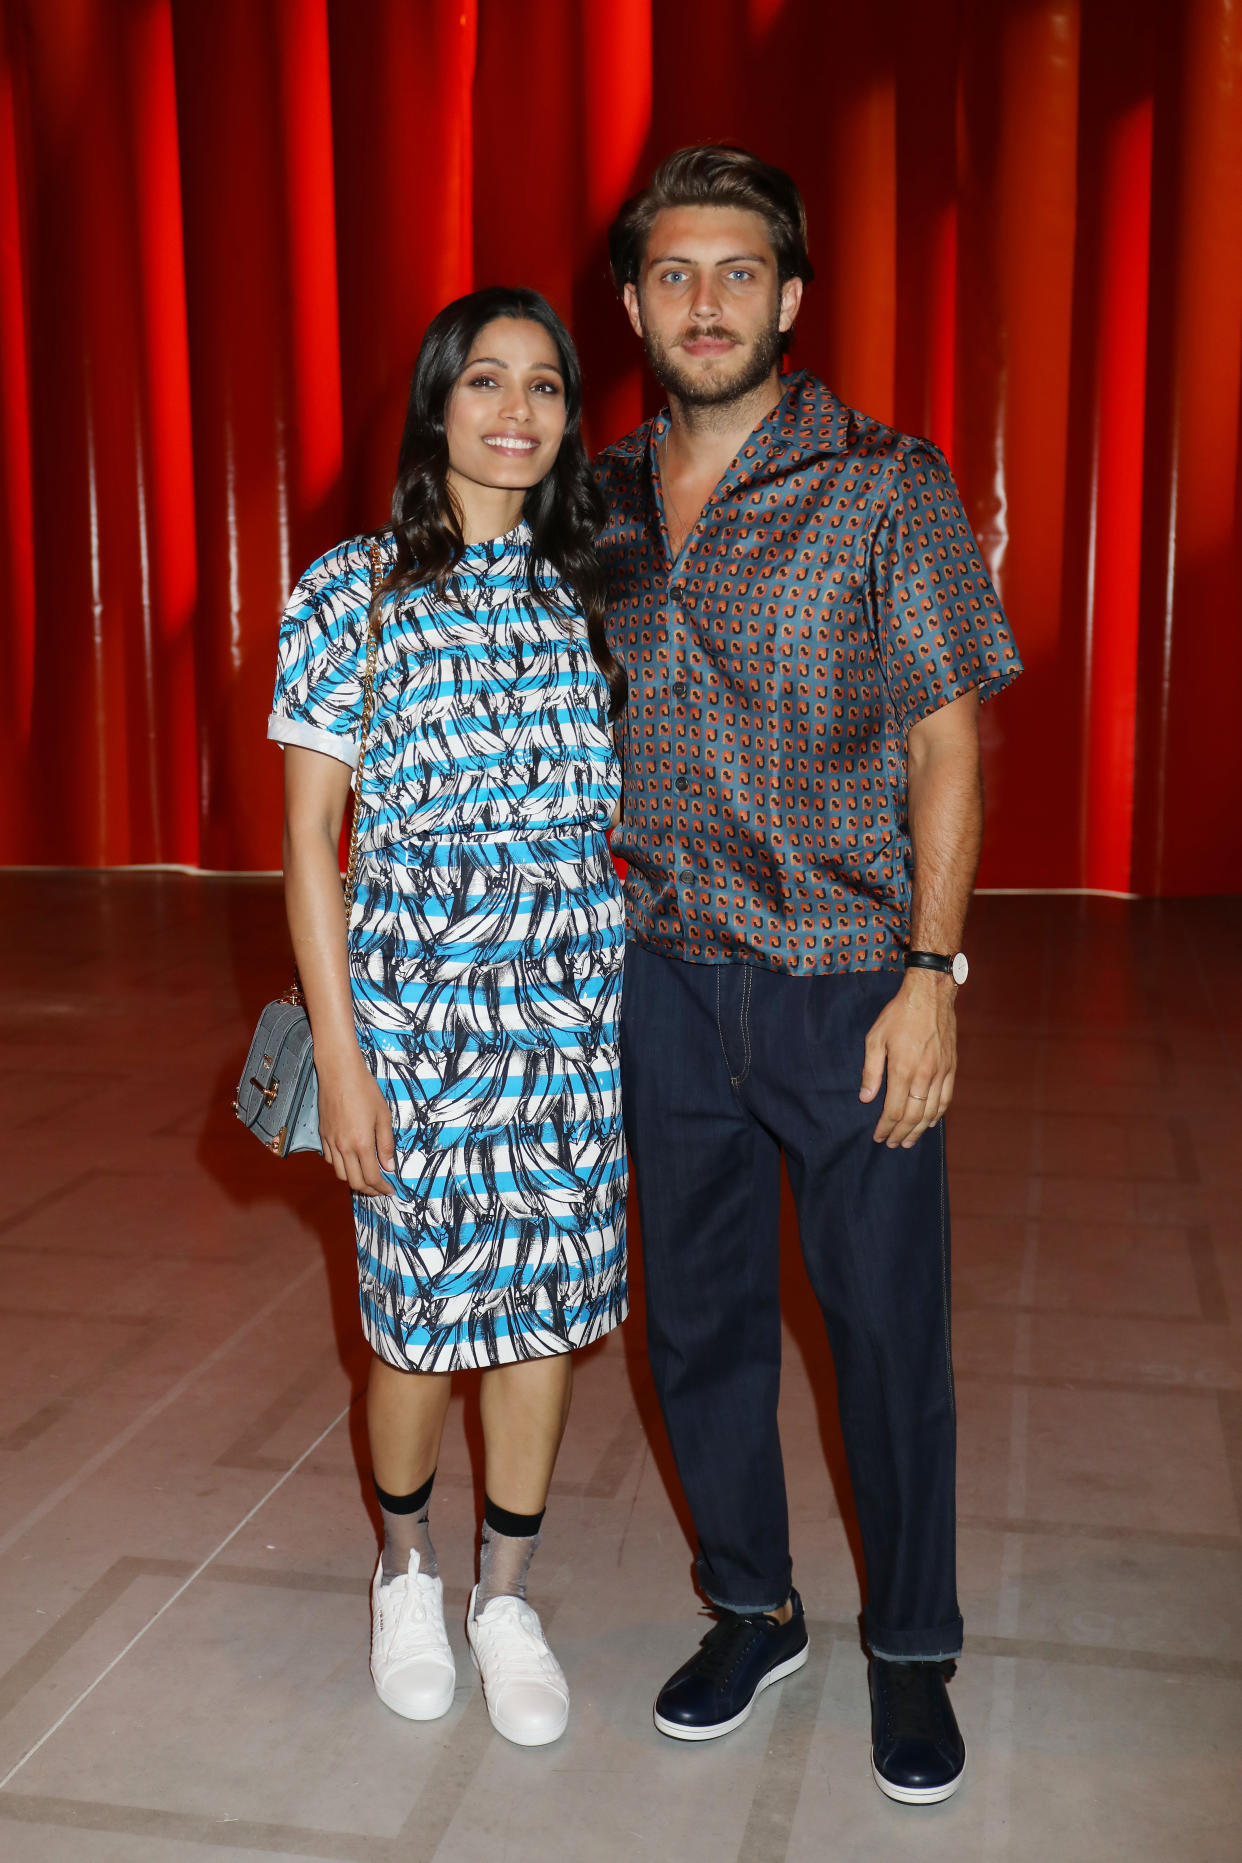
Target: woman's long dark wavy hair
[(565, 510)]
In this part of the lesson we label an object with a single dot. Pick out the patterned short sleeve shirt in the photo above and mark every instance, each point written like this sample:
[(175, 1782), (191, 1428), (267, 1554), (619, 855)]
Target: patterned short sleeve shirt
[(830, 596)]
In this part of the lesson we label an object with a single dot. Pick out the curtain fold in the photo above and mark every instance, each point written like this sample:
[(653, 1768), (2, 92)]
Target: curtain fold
[(223, 229)]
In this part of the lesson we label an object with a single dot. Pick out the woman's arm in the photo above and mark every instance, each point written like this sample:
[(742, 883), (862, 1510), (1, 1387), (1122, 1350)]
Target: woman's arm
[(354, 1123), (619, 810)]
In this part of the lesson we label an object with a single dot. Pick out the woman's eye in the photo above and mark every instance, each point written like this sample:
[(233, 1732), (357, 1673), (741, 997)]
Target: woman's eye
[(546, 388), (481, 381)]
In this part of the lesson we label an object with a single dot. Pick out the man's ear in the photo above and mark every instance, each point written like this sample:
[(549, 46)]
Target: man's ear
[(629, 294), (791, 300)]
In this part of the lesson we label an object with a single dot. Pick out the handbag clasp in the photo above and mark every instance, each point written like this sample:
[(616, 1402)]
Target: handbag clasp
[(269, 1092)]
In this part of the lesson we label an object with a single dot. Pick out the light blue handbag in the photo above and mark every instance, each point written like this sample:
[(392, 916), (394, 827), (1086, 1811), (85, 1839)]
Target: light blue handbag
[(277, 1096)]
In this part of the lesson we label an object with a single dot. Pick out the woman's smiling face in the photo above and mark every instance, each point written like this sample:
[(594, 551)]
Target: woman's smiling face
[(506, 415)]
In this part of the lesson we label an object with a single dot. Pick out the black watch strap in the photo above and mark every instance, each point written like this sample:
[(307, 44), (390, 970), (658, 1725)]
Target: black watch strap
[(928, 960)]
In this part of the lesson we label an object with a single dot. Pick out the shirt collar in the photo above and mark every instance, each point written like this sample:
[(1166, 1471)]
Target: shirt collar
[(495, 547), (807, 422)]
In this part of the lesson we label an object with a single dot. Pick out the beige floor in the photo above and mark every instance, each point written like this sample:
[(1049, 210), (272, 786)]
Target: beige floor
[(185, 1541)]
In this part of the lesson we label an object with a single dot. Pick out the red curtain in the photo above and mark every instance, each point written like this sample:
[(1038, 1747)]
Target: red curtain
[(223, 227)]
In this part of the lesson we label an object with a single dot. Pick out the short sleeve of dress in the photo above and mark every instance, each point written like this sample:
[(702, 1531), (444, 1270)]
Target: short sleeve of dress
[(321, 656), (939, 623)]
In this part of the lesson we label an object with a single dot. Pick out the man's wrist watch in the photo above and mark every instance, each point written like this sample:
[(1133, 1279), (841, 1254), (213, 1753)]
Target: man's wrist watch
[(956, 966)]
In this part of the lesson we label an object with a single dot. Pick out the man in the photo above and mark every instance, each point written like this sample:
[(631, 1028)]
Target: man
[(808, 630)]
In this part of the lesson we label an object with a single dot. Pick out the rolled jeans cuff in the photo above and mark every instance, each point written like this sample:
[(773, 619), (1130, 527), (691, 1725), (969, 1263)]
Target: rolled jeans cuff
[(748, 1609), (943, 1643)]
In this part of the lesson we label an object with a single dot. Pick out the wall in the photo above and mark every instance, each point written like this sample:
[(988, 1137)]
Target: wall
[(223, 227)]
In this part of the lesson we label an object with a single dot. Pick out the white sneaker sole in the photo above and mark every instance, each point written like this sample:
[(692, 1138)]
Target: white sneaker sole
[(514, 1734), (678, 1732), (917, 1795)]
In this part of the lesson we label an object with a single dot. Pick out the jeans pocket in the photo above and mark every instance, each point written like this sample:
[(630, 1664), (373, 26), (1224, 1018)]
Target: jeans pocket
[(840, 1011)]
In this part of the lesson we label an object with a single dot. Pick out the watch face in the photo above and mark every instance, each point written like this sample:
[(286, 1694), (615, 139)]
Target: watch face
[(961, 969)]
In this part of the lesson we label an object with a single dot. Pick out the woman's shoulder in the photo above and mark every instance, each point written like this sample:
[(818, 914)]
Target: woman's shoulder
[(344, 572)]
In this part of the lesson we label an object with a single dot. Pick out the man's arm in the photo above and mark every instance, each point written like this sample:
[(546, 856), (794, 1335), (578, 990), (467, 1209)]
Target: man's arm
[(915, 1036)]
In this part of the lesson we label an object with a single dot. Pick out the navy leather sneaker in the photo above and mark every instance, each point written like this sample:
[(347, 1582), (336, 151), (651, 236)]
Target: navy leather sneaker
[(918, 1755), (715, 1691)]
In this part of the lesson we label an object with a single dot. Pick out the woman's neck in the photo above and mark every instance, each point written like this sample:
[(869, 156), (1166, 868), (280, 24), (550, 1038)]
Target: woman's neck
[(484, 511)]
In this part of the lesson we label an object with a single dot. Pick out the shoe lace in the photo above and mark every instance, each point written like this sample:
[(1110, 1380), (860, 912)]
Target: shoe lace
[(724, 1646), (404, 1614), (914, 1701), (517, 1647)]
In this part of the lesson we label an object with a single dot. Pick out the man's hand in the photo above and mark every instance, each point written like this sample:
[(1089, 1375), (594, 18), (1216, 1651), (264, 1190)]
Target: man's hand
[(915, 1037)]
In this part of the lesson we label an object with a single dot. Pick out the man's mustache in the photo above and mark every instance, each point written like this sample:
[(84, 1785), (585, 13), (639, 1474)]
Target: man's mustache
[(717, 334)]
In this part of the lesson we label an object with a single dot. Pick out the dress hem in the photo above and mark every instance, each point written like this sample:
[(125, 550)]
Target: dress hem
[(509, 1349)]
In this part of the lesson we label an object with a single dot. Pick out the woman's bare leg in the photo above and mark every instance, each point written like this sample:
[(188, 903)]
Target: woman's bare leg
[(524, 1411), (405, 1421)]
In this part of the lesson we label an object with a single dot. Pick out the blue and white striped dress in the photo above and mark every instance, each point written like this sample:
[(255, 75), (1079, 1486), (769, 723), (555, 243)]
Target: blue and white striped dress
[(485, 951)]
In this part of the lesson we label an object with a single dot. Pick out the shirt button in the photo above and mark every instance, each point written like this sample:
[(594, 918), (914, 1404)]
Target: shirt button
[(681, 782), (679, 690)]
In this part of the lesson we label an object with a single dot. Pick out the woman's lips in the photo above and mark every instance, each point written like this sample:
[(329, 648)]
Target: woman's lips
[(517, 447)]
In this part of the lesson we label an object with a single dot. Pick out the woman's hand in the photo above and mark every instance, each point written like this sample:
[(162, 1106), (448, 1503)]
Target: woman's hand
[(355, 1126)]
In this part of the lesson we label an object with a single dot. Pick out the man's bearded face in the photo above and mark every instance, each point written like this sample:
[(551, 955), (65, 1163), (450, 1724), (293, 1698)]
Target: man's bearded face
[(732, 376), (708, 304)]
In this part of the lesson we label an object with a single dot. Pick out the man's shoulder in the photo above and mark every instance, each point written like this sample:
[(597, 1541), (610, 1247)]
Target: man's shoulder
[(624, 458), (621, 473), (819, 416)]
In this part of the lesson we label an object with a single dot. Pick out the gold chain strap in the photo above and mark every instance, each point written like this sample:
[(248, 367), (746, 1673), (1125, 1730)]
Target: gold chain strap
[(295, 994)]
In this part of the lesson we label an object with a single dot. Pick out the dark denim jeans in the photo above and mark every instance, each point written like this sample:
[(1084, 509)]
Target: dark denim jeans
[(724, 1067)]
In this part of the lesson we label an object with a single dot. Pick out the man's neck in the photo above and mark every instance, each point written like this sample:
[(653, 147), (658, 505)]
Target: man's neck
[(702, 440)]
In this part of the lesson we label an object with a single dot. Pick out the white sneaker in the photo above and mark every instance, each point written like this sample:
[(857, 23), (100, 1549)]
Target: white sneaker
[(525, 1690), (411, 1662)]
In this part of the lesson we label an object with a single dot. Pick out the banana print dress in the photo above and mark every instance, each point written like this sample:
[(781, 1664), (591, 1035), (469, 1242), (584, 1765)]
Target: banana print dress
[(485, 950)]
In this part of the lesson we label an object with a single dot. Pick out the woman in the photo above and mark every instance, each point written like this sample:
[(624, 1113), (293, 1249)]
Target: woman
[(465, 1028)]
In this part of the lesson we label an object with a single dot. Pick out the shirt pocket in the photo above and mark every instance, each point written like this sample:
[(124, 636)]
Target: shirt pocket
[(839, 1011)]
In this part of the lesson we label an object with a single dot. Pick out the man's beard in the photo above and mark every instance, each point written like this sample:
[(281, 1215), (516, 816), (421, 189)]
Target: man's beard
[(706, 389)]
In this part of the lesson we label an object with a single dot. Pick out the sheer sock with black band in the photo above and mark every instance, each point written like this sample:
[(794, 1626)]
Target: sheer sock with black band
[(406, 1531), (506, 1549)]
